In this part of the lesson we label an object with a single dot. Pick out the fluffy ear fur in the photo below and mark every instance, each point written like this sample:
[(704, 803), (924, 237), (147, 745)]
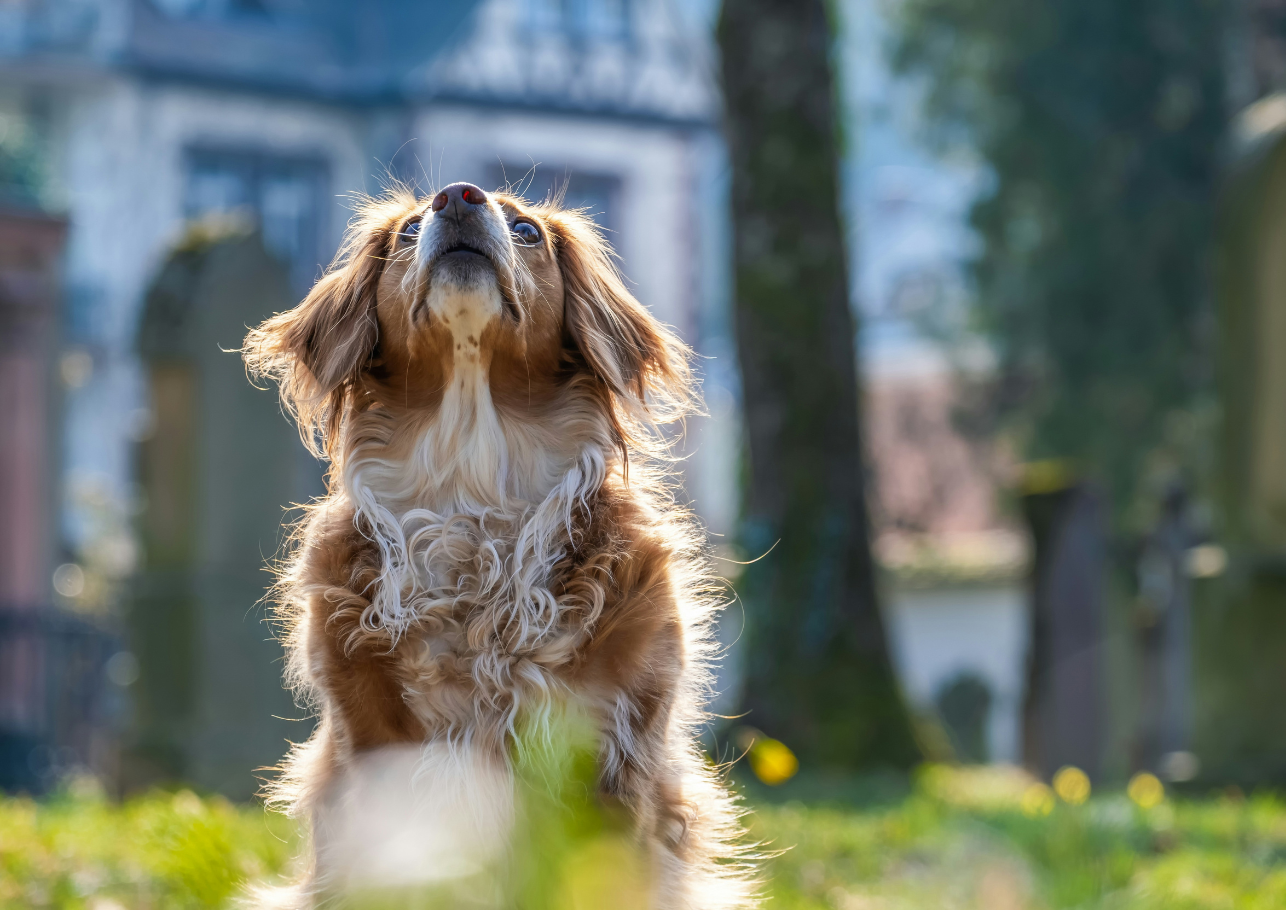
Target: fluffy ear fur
[(641, 363), (316, 351)]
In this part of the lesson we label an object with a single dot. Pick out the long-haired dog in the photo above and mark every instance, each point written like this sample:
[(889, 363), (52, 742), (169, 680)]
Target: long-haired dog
[(498, 543)]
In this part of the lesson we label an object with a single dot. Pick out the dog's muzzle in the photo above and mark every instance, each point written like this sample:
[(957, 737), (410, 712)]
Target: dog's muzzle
[(463, 231)]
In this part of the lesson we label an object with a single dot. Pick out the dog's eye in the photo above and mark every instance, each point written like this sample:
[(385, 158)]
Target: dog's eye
[(526, 233), (410, 231)]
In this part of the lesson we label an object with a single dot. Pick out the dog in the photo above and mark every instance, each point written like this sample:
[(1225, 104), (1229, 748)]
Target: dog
[(499, 543)]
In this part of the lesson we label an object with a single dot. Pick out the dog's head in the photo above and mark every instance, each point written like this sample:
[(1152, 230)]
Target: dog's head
[(425, 292)]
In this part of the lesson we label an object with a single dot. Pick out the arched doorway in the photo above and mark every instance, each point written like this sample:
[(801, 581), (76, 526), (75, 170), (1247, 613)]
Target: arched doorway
[(216, 468)]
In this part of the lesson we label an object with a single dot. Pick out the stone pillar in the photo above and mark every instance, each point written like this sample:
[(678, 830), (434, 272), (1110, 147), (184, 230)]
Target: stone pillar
[(1063, 716), (30, 250), (1164, 641)]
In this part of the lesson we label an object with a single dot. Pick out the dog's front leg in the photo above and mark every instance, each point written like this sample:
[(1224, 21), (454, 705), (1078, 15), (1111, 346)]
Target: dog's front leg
[(636, 663), (363, 690), (636, 770)]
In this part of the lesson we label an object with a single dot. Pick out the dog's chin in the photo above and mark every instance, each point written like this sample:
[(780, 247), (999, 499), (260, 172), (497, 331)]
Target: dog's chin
[(465, 269)]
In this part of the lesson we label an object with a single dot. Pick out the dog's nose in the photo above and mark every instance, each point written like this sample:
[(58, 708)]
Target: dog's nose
[(456, 199)]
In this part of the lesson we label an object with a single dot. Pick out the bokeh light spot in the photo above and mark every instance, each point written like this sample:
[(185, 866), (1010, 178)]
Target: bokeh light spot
[(1145, 790), (69, 580), (1072, 785), (772, 761)]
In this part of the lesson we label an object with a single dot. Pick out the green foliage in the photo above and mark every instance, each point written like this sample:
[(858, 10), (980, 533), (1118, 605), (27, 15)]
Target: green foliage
[(580, 852), (1100, 122)]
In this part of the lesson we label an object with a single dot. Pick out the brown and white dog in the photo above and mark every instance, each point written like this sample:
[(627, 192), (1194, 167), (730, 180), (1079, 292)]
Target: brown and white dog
[(498, 541)]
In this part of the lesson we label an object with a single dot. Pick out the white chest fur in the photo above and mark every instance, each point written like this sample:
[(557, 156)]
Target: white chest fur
[(472, 519)]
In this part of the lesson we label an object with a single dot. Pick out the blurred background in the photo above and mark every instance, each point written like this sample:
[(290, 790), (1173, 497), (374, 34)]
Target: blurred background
[(985, 294)]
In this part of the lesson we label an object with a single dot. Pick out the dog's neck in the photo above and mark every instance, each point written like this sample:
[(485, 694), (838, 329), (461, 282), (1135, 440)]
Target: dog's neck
[(466, 455), (434, 490)]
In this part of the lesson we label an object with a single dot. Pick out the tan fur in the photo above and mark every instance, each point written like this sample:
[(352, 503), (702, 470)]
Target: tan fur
[(498, 536)]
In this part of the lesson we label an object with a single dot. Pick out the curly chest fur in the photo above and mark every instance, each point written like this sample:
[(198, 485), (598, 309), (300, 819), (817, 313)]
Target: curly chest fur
[(499, 625), (493, 639)]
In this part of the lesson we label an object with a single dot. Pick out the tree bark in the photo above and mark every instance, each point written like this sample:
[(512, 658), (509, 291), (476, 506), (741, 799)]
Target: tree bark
[(818, 674)]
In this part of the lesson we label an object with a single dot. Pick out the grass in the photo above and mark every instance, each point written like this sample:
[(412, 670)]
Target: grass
[(171, 851), (956, 838), (993, 840)]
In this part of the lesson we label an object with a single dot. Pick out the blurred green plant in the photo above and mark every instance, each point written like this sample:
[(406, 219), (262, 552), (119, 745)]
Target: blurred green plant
[(1101, 124), (570, 850)]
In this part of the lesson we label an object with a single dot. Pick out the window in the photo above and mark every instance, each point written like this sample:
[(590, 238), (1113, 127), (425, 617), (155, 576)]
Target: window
[(284, 196)]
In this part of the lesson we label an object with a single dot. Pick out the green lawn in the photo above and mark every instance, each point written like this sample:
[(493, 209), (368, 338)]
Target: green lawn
[(988, 840), (984, 839)]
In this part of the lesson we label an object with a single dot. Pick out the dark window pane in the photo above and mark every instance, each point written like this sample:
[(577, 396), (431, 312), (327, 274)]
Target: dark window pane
[(282, 195)]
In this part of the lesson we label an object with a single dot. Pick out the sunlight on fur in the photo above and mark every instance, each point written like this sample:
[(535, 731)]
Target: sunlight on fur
[(500, 544)]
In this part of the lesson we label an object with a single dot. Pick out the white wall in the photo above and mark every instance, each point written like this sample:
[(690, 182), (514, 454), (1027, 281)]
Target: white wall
[(123, 182), (936, 635)]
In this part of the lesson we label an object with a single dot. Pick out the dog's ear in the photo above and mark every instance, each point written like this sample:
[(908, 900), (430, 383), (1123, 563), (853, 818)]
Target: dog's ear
[(317, 350), (333, 332), (614, 337)]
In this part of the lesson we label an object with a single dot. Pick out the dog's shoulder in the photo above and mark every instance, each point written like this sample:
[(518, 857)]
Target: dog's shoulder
[(331, 545)]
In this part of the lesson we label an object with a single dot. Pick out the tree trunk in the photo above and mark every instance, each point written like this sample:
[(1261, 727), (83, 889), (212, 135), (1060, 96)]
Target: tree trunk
[(818, 673)]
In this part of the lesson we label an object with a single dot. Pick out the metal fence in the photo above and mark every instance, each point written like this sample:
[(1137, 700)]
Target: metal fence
[(59, 704)]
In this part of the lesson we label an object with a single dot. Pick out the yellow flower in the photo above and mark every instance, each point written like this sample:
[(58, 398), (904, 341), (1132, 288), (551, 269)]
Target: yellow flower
[(1037, 801), (1145, 790), (1072, 785), (772, 761)]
